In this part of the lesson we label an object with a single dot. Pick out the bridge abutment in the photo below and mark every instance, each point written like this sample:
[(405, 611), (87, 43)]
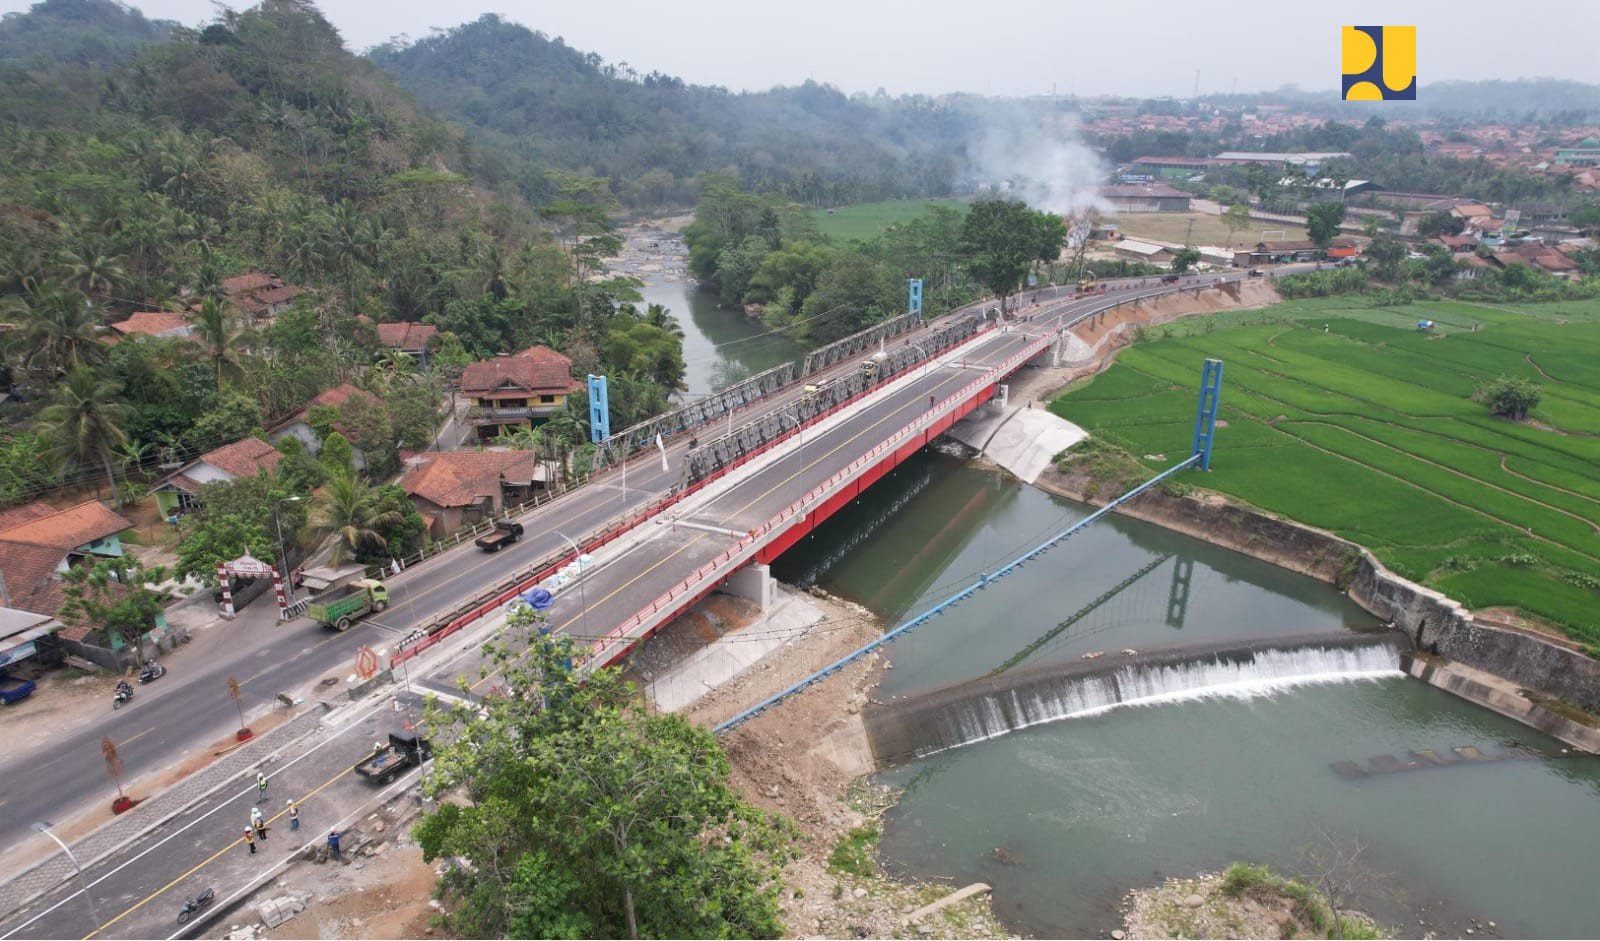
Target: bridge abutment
[(753, 583)]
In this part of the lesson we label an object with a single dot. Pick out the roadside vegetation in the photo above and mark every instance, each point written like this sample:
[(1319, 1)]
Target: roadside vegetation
[(765, 253), (1350, 419), (581, 814)]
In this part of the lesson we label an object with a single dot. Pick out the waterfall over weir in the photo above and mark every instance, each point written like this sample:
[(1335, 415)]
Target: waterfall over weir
[(993, 705)]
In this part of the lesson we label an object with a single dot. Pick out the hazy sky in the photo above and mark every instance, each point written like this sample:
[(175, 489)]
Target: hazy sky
[(1003, 47)]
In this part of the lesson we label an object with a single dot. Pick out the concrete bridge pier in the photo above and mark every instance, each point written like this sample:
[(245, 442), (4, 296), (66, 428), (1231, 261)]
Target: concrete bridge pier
[(754, 583)]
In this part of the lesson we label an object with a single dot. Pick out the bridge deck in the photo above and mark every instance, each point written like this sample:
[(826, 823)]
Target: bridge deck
[(664, 554)]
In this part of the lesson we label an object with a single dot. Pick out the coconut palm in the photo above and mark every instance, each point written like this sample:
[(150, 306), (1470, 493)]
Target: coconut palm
[(82, 425), (348, 509), (91, 271), (59, 329), (214, 327), (657, 315)]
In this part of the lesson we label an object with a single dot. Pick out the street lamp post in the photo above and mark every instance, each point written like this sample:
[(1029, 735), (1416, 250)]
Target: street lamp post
[(800, 433), (283, 550), (43, 826), (926, 359), (583, 576)]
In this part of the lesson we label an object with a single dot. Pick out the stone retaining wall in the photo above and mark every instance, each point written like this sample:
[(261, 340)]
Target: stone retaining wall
[(1436, 624)]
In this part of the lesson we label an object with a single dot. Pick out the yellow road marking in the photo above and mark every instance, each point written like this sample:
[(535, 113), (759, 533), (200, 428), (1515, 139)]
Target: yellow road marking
[(778, 403), (129, 739), (210, 859), (730, 515)]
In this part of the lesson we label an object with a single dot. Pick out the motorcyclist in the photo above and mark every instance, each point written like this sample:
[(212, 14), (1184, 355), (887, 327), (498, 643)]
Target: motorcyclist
[(124, 689)]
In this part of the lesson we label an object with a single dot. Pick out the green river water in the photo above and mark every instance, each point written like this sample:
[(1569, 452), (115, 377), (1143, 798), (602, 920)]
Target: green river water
[(1064, 818)]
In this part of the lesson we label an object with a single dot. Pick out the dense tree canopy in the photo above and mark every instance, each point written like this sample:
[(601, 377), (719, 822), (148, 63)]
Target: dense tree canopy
[(584, 815), (534, 102)]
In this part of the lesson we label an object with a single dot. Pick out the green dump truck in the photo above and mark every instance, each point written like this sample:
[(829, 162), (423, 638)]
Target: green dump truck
[(341, 606)]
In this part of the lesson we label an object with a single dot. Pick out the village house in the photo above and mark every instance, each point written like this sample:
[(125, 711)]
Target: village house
[(298, 424), (1459, 244), (259, 296), (247, 457), (39, 544), (452, 489), (408, 338), (1541, 258), (519, 390), (1268, 253), (153, 323)]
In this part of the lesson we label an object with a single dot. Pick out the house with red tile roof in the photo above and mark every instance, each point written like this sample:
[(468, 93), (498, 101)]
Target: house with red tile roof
[(257, 295), (39, 543), (517, 390), (408, 338), (452, 489), (247, 457), (1535, 255), (298, 425), (154, 323)]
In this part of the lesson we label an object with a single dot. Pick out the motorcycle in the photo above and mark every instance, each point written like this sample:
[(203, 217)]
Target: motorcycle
[(123, 694), (190, 906), (152, 671)]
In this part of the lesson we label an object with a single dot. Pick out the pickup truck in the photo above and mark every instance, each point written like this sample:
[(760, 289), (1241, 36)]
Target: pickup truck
[(505, 533), (13, 690), (385, 764), (338, 609)]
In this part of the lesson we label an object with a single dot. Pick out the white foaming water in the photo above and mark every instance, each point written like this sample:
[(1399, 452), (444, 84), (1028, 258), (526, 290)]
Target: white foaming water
[(1267, 673)]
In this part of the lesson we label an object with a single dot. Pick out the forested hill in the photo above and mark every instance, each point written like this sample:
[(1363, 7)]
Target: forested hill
[(537, 103), (259, 144), (82, 32)]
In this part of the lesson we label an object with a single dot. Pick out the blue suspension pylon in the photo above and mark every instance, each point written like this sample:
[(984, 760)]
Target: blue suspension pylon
[(1205, 418)]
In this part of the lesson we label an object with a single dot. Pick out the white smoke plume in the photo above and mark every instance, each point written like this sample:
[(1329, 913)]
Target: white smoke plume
[(1033, 152)]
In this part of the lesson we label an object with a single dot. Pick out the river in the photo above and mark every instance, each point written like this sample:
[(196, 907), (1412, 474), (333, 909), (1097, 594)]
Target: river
[(720, 346), (1064, 818)]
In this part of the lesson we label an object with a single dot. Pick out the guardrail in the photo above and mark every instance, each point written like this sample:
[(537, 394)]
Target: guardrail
[(618, 640), (441, 627)]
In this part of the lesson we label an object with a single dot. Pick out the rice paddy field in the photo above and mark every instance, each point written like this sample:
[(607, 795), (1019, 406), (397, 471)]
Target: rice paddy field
[(867, 220), (1350, 419)]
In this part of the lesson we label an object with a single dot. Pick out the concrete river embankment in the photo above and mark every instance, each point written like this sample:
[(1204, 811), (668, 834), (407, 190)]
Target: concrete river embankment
[(1062, 817)]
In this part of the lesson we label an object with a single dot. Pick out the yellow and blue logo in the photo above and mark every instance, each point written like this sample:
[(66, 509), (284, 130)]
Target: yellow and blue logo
[(1380, 63)]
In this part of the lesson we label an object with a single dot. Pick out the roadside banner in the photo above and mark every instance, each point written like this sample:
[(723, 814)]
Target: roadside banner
[(663, 449)]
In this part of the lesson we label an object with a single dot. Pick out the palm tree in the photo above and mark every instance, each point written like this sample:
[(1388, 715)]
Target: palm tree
[(215, 328), (657, 315), (348, 508), (60, 329), (82, 425), (346, 246), (92, 272)]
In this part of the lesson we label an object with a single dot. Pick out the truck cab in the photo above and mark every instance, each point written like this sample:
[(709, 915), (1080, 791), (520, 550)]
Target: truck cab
[(505, 533)]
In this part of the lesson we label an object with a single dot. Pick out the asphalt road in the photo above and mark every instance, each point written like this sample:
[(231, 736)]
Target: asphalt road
[(138, 891), (190, 709), (622, 585)]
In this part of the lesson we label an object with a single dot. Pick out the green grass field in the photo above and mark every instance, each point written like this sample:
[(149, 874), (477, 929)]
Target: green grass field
[(1367, 429), (866, 220)]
